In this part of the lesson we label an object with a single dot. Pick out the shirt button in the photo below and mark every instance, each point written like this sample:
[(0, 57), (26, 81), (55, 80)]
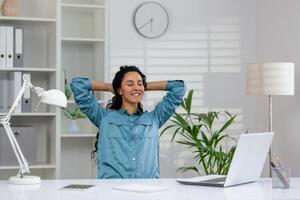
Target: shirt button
[(133, 158)]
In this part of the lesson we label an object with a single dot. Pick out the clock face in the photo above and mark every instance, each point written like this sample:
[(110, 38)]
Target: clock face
[(151, 20)]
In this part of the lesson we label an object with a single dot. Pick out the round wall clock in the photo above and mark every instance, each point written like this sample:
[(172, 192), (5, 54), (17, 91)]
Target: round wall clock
[(151, 20)]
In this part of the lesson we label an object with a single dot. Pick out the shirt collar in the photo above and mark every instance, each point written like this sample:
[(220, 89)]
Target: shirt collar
[(124, 111)]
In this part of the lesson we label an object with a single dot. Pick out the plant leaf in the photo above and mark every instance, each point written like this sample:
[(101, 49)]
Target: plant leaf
[(227, 124), (188, 101), (185, 169)]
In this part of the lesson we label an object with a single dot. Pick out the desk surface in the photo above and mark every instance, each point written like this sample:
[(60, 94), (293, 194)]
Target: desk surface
[(49, 189)]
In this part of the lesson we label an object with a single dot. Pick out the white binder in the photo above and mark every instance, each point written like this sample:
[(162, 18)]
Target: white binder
[(3, 89), (26, 100), (10, 92), (17, 88), (2, 47), (18, 51), (9, 47)]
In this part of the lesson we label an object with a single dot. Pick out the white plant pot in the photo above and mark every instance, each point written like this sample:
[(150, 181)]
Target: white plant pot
[(74, 128)]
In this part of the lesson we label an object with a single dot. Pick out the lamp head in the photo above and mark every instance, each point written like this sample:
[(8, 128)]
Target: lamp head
[(52, 97)]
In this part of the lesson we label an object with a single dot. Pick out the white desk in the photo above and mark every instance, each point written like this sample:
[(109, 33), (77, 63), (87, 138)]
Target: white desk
[(49, 189)]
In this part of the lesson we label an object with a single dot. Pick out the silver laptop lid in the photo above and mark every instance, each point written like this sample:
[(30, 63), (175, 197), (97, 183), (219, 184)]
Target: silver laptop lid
[(249, 157)]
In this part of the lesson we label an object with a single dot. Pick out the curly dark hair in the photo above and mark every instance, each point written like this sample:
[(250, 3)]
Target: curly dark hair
[(116, 102)]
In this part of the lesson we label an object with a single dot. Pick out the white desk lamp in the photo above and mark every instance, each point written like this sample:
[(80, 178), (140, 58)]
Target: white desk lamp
[(53, 97), (270, 79)]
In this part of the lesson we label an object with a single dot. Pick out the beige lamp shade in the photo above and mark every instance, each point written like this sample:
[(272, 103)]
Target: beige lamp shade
[(270, 79)]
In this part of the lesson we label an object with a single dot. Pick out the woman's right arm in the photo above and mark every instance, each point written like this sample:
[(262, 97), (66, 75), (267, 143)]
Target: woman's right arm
[(87, 102)]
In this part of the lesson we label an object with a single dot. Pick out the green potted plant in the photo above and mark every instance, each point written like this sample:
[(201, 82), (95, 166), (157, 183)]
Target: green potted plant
[(198, 133)]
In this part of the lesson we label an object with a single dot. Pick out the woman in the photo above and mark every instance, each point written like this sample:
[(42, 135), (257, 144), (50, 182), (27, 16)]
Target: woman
[(128, 143)]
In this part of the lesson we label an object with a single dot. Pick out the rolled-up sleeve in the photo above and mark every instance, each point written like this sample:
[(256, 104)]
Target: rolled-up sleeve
[(86, 101), (166, 108)]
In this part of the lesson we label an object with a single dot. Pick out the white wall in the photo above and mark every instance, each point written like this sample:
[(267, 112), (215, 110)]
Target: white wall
[(227, 22), (278, 39)]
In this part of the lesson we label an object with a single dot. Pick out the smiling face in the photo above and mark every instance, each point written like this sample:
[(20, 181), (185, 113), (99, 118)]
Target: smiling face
[(131, 90)]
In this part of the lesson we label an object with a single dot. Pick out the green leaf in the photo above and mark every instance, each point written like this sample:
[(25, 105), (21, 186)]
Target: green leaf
[(190, 168), (67, 114), (175, 133), (165, 129), (227, 124), (68, 91), (205, 139), (188, 101)]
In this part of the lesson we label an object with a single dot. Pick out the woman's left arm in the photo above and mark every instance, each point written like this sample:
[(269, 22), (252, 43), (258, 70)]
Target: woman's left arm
[(166, 108)]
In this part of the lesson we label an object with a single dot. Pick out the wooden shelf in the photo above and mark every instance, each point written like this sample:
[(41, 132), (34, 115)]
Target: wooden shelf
[(27, 69), (73, 102), (78, 135), (82, 6), (45, 166), (33, 114), (27, 19), (82, 40)]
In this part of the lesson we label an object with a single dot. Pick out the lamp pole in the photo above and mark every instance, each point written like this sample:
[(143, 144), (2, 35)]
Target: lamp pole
[(270, 130)]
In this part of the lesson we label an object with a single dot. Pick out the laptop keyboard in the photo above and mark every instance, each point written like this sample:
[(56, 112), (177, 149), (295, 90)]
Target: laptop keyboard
[(215, 180)]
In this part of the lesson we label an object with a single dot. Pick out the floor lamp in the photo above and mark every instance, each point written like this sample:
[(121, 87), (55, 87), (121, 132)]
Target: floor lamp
[(52, 97), (270, 79)]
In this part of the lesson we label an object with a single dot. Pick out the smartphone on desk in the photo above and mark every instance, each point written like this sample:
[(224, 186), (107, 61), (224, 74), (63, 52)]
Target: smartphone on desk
[(77, 187)]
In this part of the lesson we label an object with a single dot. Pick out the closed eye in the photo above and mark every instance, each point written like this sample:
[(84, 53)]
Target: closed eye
[(131, 83), (140, 83)]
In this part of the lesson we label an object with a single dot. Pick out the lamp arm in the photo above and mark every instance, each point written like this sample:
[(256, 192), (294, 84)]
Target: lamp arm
[(12, 139), (16, 148)]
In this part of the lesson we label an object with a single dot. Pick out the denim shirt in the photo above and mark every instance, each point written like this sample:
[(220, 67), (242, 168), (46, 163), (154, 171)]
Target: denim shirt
[(128, 144)]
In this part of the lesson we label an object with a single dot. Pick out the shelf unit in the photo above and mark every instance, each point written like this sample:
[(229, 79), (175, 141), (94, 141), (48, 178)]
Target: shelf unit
[(62, 39), (39, 21), (83, 39)]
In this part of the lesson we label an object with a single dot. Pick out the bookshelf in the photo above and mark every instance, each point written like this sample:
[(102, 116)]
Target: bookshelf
[(83, 36), (39, 22), (62, 38)]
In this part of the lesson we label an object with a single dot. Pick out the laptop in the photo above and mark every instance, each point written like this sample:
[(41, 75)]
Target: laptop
[(246, 166)]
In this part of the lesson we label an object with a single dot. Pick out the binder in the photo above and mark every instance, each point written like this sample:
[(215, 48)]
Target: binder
[(26, 99), (18, 50), (10, 91), (9, 46), (3, 91), (2, 47), (6, 97), (17, 87)]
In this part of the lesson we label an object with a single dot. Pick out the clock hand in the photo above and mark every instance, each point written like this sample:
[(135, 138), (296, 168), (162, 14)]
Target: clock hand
[(142, 26), (151, 25)]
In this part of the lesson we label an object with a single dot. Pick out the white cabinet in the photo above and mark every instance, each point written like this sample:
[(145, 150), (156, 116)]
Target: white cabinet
[(61, 38), (83, 36)]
